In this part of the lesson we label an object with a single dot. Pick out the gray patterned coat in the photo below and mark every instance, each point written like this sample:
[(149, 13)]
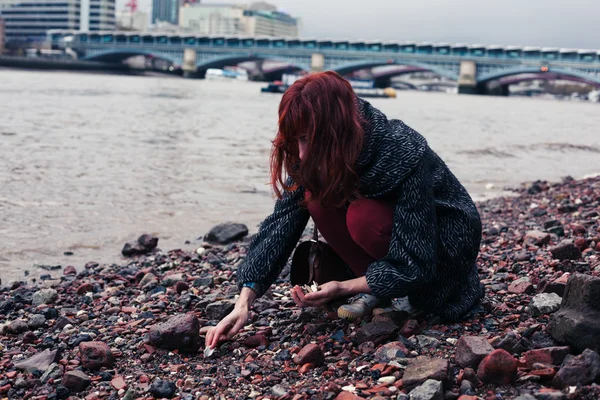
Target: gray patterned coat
[(436, 234)]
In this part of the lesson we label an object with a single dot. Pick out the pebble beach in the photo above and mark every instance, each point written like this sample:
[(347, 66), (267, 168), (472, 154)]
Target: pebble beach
[(136, 330)]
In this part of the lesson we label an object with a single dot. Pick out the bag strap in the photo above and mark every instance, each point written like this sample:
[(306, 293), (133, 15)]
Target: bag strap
[(315, 233)]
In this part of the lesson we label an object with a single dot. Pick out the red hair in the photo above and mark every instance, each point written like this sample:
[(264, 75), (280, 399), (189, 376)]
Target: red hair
[(322, 107)]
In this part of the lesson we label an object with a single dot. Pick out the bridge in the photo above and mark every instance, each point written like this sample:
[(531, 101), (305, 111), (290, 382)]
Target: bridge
[(472, 66)]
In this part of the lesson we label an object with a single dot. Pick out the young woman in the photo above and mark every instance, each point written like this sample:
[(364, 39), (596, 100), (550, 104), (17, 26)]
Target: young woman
[(381, 198)]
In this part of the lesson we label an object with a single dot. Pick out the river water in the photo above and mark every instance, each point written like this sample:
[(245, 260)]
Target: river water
[(88, 162)]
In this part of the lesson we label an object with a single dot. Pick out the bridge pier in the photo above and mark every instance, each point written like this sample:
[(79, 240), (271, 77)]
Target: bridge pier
[(467, 79), (190, 69), (317, 62)]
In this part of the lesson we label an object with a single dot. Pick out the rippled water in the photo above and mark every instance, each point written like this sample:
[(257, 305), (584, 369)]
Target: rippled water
[(88, 162)]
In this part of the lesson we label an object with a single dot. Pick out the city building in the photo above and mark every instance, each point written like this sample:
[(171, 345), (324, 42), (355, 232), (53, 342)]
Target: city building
[(212, 19), (1, 35), (26, 21), (132, 21), (166, 11), (256, 19)]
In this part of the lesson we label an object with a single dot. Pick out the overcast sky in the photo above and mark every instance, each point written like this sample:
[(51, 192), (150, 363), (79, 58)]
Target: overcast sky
[(552, 23)]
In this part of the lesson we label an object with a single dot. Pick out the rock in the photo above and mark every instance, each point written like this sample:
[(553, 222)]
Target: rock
[(581, 370), (549, 355), (278, 391), (557, 286), (85, 288), (171, 279), (423, 368), (179, 332), (149, 280), (70, 270), (344, 395), (17, 326), (376, 332), (577, 322), (537, 238), (566, 250), (427, 341), (429, 390), (544, 303), (311, 353), (470, 350), (551, 223), (36, 321), (226, 233), (390, 351), (206, 281), (557, 230), (145, 244), (256, 341), (520, 286), (162, 389), (44, 296), (118, 383), (38, 362), (581, 243), (499, 368), (219, 309), (95, 355), (181, 287), (411, 327), (76, 381)]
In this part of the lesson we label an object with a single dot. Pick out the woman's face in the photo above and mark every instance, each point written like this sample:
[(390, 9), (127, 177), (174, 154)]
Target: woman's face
[(302, 146)]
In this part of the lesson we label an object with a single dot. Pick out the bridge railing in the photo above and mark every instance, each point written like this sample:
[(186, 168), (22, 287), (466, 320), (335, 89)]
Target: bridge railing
[(181, 41)]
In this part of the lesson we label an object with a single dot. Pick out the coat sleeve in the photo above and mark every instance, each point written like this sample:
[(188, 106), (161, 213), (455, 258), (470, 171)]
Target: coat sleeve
[(411, 261), (271, 247)]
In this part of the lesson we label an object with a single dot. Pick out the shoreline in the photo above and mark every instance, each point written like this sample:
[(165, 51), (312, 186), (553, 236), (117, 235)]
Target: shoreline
[(116, 307)]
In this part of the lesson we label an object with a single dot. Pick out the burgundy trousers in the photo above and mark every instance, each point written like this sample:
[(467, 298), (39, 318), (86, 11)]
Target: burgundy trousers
[(360, 234)]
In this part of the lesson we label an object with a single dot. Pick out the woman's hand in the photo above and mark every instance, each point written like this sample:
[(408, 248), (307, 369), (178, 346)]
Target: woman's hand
[(234, 322), (327, 292), (227, 327)]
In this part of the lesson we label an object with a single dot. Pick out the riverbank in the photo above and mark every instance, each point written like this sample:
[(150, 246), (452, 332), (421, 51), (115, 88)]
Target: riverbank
[(90, 331)]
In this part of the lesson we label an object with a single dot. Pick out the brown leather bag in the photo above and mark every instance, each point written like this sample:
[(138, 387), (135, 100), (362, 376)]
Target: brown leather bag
[(316, 261)]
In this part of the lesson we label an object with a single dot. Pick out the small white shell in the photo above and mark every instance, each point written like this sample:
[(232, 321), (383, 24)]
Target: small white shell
[(208, 352)]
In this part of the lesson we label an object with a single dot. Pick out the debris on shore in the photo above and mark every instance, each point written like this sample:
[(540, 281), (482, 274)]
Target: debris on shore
[(135, 331)]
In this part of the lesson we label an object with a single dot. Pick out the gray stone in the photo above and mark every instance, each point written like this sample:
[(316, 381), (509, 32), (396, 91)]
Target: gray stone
[(577, 322), (149, 280), (172, 279), (36, 321), (544, 303), (566, 250), (470, 350), (38, 362), (423, 368), (537, 238), (391, 351), (226, 233), (76, 381), (180, 332), (526, 396), (53, 371), (219, 309), (17, 326), (581, 370), (429, 390), (278, 391), (163, 389), (44, 296), (427, 341)]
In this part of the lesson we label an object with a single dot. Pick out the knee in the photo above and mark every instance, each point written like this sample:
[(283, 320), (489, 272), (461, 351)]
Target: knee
[(361, 220)]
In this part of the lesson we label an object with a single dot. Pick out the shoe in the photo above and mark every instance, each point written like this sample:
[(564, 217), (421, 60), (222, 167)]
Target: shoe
[(361, 306), (399, 304)]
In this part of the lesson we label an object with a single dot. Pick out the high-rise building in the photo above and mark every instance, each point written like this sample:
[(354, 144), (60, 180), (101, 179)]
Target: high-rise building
[(26, 21), (1, 35), (166, 11), (257, 19)]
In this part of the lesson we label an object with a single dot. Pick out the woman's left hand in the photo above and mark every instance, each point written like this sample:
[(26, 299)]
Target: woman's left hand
[(327, 292)]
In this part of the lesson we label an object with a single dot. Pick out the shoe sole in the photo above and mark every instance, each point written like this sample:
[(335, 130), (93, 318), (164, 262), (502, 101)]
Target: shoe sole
[(348, 315)]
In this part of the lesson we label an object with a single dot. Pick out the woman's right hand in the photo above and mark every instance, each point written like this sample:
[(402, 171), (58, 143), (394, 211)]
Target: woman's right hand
[(234, 322), (228, 327)]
